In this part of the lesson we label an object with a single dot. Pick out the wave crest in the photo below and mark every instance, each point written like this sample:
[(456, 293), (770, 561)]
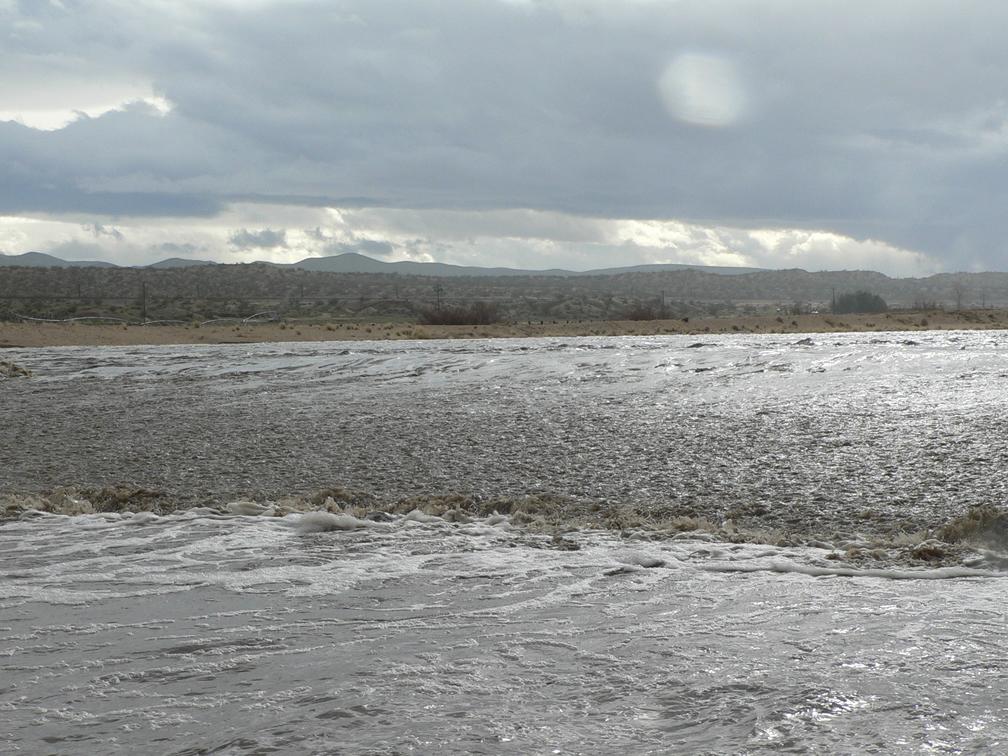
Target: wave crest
[(976, 537)]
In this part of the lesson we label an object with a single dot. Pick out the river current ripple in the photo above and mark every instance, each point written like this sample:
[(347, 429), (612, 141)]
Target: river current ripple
[(201, 631)]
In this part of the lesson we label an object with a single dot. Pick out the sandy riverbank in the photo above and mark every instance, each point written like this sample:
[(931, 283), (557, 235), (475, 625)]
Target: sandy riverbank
[(87, 334)]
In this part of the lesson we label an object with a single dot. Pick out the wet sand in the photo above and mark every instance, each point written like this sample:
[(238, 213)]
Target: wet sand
[(87, 334)]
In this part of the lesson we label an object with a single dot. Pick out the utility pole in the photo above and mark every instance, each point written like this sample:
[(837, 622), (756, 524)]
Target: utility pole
[(143, 301), (833, 307), (437, 293)]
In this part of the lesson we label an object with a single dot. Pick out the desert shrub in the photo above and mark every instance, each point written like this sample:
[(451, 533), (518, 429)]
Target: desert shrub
[(640, 311), (477, 313), (986, 525)]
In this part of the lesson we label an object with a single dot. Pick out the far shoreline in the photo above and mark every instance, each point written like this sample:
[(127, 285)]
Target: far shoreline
[(28, 335)]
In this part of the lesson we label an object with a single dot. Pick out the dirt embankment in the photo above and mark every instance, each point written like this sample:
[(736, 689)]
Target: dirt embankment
[(80, 334)]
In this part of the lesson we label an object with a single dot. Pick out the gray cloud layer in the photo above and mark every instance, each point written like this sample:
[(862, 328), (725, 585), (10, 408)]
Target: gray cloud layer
[(887, 121), (266, 238)]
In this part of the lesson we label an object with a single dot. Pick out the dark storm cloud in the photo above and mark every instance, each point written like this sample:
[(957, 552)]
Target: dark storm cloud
[(125, 163), (874, 120)]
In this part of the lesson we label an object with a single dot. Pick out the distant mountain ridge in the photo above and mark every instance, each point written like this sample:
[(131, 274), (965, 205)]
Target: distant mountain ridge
[(42, 260), (353, 262), (180, 262)]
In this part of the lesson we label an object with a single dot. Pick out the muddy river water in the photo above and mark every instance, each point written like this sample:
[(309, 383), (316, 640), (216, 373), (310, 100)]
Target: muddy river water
[(210, 624)]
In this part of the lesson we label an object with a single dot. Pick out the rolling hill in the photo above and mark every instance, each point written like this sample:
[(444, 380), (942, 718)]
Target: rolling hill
[(352, 262)]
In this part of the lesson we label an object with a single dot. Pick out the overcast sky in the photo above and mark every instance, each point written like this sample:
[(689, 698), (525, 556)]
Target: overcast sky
[(561, 133)]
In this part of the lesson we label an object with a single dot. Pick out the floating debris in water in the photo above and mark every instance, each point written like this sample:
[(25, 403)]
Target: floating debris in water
[(13, 370)]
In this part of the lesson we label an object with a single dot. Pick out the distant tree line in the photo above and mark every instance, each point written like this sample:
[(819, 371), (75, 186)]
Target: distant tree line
[(859, 301)]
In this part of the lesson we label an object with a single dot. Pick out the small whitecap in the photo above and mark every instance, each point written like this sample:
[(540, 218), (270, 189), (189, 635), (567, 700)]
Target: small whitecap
[(142, 518), (694, 535), (321, 522), (623, 569), (642, 560), (417, 516), (196, 512), (478, 531), (816, 544), (245, 508)]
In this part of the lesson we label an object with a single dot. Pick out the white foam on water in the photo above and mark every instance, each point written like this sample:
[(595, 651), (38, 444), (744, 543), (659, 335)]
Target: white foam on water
[(417, 515), (920, 573), (353, 634)]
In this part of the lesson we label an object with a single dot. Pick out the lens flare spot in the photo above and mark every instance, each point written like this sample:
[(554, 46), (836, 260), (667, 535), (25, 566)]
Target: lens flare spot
[(703, 89)]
